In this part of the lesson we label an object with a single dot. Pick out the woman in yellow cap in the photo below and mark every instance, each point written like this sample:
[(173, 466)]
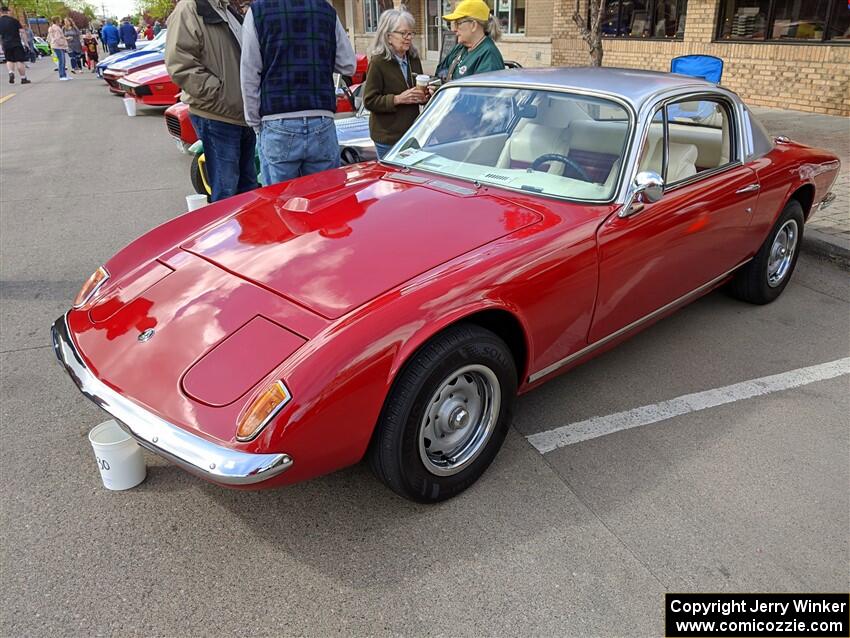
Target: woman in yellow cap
[(475, 51)]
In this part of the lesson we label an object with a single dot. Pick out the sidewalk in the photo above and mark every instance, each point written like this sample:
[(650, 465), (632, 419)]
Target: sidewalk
[(828, 232)]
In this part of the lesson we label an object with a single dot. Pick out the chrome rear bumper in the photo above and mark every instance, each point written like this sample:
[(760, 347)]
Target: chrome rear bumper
[(211, 461)]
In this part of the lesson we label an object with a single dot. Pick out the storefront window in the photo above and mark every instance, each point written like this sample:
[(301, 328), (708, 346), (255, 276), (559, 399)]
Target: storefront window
[(839, 26), (372, 9), (510, 14), (784, 20), (644, 18)]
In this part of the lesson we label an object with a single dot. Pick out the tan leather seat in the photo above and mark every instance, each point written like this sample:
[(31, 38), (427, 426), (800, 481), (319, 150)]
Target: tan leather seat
[(544, 134), (681, 161)]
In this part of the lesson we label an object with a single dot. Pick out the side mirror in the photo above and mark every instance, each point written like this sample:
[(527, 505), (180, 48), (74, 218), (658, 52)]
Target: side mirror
[(648, 187)]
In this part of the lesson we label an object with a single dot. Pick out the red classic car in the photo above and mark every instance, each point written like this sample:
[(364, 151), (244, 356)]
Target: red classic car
[(151, 86), (528, 221)]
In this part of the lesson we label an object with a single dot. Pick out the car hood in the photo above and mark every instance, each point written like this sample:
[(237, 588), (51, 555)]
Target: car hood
[(157, 73), (333, 241), (129, 64)]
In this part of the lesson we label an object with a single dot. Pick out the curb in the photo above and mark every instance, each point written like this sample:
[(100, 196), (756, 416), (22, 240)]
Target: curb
[(823, 245)]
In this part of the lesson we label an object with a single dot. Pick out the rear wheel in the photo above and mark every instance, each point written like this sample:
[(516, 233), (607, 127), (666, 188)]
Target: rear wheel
[(764, 278), (446, 416)]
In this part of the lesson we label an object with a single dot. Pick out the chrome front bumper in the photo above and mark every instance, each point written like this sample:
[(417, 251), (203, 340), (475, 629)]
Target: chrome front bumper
[(204, 458)]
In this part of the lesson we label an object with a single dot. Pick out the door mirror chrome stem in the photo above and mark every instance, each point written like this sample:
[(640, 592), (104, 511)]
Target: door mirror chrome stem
[(648, 188)]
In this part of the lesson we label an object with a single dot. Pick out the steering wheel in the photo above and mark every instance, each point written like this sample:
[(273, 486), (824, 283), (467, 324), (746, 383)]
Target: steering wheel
[(566, 161)]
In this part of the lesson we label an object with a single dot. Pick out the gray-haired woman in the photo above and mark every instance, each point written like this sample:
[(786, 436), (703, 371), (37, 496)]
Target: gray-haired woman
[(390, 92)]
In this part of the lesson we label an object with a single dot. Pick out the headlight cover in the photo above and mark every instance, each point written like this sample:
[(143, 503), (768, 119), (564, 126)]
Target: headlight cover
[(262, 410), (90, 288)]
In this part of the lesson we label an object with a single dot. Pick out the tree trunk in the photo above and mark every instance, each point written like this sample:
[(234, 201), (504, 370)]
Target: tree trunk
[(593, 35)]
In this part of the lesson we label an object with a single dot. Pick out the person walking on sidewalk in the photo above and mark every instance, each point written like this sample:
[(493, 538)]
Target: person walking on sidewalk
[(75, 45), (11, 32), (289, 54), (110, 37), (56, 40), (128, 34), (202, 58)]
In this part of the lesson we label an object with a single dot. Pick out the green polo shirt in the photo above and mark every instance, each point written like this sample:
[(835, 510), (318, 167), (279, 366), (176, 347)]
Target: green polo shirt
[(483, 58)]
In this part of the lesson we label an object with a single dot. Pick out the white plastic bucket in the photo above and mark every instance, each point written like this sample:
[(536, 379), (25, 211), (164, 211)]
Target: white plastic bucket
[(130, 106), (119, 457), (194, 202)]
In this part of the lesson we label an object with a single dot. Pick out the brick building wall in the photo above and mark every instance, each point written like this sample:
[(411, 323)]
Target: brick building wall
[(805, 77)]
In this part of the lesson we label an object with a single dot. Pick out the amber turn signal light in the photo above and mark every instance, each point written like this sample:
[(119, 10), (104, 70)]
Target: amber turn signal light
[(91, 286), (262, 410)]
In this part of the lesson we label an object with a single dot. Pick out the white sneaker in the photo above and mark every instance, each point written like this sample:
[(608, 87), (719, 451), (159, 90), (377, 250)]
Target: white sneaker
[(65, 79)]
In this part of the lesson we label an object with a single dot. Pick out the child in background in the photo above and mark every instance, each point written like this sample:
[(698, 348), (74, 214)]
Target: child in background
[(90, 49)]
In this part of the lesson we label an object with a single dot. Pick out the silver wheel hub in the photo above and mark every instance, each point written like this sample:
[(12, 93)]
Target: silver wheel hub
[(782, 253), (459, 419)]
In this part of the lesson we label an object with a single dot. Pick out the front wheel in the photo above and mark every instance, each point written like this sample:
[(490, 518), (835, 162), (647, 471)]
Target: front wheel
[(199, 183), (446, 416), (764, 278)]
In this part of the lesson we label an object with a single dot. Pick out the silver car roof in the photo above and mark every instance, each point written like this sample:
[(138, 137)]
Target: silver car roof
[(634, 86)]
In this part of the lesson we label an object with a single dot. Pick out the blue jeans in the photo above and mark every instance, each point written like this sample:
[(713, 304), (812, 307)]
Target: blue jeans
[(229, 152), (113, 47), (382, 149), (60, 56), (290, 148)]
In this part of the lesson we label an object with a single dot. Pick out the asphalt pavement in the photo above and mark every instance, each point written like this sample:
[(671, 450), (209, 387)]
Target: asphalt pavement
[(584, 540)]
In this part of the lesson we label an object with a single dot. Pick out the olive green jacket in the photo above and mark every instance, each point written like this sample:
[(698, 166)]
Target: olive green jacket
[(384, 80), (202, 57)]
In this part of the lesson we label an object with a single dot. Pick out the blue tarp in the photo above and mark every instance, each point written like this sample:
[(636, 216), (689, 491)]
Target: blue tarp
[(706, 67)]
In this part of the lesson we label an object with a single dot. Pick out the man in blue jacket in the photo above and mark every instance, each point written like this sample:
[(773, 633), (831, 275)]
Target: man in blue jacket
[(110, 37), (128, 34)]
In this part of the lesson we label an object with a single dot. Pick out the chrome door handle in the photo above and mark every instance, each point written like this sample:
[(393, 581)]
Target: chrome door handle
[(748, 189)]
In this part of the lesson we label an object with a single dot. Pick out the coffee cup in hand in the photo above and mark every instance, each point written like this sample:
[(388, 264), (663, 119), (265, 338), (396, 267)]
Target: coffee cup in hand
[(422, 84)]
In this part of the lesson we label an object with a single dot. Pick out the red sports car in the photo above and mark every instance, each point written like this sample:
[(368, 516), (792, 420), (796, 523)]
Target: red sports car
[(528, 221), (151, 86), (113, 74)]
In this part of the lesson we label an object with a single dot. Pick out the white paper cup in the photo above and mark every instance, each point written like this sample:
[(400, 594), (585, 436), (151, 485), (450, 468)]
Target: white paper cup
[(194, 202), (130, 106), (119, 457)]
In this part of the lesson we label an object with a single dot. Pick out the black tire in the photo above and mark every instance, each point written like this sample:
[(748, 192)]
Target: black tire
[(759, 282), (350, 155), (478, 360), (195, 176)]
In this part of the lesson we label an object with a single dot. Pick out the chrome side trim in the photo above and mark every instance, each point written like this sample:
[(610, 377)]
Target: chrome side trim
[(635, 324), (199, 456)]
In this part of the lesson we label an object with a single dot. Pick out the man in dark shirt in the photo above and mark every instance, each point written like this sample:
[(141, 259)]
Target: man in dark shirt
[(10, 36)]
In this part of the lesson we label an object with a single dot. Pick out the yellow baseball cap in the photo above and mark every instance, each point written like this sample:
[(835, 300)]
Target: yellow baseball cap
[(477, 9)]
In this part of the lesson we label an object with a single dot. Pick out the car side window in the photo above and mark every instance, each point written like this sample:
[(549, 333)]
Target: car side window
[(652, 154), (700, 134)]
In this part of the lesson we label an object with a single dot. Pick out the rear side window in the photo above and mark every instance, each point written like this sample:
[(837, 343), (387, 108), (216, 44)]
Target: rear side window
[(700, 133)]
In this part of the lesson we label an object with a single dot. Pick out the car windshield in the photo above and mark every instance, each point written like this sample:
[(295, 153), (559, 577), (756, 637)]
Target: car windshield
[(547, 142)]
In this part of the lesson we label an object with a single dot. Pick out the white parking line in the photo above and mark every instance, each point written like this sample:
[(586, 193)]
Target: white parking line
[(602, 425)]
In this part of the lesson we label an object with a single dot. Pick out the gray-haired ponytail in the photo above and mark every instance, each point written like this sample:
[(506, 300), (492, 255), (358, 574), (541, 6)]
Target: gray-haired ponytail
[(492, 28)]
